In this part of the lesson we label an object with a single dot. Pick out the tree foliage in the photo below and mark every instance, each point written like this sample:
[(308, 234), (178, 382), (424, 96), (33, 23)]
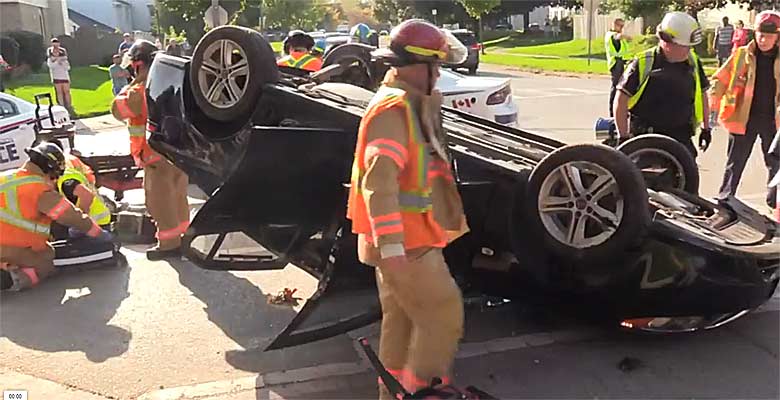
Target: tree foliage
[(478, 8)]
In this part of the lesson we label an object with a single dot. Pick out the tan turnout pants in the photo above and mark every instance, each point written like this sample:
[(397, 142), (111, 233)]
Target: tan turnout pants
[(422, 321), (41, 260), (165, 187)]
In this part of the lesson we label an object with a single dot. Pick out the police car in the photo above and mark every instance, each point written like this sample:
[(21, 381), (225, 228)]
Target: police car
[(18, 127), (489, 98)]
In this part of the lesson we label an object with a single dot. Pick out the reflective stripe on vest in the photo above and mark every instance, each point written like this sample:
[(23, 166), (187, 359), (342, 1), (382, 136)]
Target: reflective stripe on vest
[(300, 63), (645, 65), (731, 95), (11, 214), (612, 53), (97, 210), (137, 131)]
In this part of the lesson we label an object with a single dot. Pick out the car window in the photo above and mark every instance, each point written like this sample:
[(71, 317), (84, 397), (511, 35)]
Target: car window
[(7, 109), (466, 38)]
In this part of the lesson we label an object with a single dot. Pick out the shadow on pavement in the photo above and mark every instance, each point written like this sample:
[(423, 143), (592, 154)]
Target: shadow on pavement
[(52, 317), (240, 309)]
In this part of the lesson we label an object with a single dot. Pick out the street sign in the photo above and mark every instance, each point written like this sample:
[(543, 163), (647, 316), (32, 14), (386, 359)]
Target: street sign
[(215, 15)]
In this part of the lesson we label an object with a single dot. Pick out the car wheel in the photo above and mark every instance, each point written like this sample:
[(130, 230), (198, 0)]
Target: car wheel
[(357, 60), (664, 162), (229, 66), (587, 202)]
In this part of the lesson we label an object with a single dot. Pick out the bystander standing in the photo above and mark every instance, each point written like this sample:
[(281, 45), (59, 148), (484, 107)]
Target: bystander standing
[(556, 27), (721, 46), (740, 38), (173, 48), (127, 42), (57, 61), (120, 77)]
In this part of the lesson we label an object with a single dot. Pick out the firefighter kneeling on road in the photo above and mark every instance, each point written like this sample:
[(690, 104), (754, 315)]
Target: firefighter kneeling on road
[(165, 186), (29, 202), (298, 46), (405, 207), (664, 89)]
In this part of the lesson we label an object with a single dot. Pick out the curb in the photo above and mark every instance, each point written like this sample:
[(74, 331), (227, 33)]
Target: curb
[(309, 375), (38, 388)]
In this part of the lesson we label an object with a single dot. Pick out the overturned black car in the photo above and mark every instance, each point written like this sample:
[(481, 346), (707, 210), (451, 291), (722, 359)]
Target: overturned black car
[(622, 230)]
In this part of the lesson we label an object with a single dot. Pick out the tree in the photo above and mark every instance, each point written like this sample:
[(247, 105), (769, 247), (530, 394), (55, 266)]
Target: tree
[(477, 8)]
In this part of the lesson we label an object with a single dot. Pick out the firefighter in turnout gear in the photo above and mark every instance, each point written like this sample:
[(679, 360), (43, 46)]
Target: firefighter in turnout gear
[(664, 89), (405, 207), (298, 46), (165, 186), (29, 202)]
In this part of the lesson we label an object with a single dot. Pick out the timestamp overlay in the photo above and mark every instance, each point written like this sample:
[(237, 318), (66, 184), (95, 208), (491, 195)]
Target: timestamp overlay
[(14, 395)]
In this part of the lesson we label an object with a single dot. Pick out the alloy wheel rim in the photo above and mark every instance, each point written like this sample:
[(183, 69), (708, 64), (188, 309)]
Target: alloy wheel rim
[(580, 204), (224, 75)]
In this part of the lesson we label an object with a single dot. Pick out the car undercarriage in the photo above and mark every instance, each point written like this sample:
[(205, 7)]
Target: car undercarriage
[(620, 229)]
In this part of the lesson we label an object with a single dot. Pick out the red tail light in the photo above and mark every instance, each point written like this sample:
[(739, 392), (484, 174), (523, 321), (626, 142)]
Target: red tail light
[(476, 46), (500, 96)]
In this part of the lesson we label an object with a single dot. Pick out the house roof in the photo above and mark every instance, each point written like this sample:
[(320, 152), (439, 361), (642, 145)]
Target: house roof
[(81, 20)]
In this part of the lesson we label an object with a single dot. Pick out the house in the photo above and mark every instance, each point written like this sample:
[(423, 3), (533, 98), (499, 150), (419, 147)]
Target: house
[(46, 17), (124, 15)]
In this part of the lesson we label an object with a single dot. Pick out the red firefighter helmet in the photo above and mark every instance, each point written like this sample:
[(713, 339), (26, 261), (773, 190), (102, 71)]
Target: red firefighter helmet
[(768, 22), (416, 41)]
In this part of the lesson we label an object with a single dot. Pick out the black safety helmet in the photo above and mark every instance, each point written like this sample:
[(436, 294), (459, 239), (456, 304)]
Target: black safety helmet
[(48, 157), (142, 51), (297, 38)]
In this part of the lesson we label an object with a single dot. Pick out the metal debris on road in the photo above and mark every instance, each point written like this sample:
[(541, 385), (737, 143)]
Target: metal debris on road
[(285, 297)]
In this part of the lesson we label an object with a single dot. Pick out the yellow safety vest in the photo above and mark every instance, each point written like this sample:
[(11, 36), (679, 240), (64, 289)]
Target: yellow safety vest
[(612, 53), (646, 65), (98, 210)]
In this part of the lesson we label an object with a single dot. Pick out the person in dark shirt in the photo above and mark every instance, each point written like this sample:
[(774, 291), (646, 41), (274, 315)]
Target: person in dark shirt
[(663, 90), (747, 92)]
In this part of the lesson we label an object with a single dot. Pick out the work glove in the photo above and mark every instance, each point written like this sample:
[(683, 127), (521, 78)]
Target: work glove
[(705, 138), (105, 236)]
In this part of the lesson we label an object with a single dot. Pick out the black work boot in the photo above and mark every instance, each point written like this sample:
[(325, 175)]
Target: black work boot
[(157, 254)]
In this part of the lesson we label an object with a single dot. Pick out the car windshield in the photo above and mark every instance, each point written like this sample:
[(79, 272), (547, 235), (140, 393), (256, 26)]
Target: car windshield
[(467, 39)]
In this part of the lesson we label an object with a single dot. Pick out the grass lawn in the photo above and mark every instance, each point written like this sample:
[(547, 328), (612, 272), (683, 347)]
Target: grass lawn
[(90, 89), (540, 53)]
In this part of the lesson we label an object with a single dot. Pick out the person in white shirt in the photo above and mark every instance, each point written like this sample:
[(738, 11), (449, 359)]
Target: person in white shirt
[(57, 61)]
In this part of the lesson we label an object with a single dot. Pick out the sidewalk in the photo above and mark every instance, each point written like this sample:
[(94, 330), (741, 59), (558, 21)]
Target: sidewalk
[(93, 125), (41, 388)]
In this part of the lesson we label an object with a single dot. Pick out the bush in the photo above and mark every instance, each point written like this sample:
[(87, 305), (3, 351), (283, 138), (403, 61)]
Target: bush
[(31, 50), (9, 48)]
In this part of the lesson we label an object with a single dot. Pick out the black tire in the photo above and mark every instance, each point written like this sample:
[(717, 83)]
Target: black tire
[(261, 70), (683, 173), (628, 200), (361, 72)]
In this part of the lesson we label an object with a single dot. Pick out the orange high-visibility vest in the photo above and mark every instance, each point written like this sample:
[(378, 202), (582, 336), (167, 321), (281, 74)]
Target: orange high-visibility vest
[(301, 60), (21, 224), (736, 88), (136, 122), (419, 227)]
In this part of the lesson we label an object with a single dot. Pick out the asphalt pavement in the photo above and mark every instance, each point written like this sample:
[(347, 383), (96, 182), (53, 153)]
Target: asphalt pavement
[(167, 330)]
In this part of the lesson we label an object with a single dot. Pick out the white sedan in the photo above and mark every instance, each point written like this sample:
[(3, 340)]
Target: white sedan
[(17, 128), (489, 98)]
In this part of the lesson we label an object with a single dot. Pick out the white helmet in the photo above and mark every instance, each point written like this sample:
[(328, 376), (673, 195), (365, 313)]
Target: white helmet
[(680, 28)]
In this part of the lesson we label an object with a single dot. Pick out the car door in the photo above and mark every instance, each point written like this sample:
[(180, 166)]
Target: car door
[(16, 134), (285, 203)]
